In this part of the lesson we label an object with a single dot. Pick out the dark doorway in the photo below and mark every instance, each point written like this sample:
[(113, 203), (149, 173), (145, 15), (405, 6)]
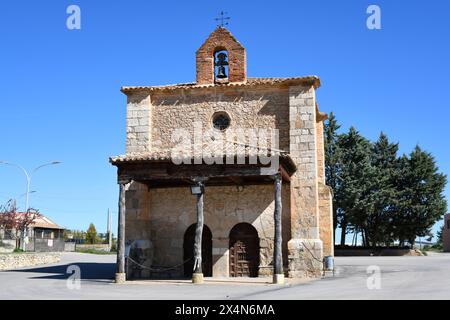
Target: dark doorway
[(244, 251), (188, 246)]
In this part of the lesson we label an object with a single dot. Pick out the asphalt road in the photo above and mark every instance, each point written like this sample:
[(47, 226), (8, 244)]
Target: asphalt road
[(398, 278)]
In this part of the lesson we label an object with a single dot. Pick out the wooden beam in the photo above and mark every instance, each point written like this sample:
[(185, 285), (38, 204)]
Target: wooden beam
[(284, 174), (197, 276), (169, 171), (121, 273), (237, 180), (278, 274)]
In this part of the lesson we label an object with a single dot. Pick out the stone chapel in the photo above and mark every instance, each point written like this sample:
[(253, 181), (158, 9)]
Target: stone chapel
[(240, 215)]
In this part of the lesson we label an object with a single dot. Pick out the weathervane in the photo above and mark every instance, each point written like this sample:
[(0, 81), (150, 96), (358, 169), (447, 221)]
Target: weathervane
[(222, 19)]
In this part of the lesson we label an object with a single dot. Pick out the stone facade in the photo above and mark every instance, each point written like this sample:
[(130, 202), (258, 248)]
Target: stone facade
[(20, 260), (138, 123), (157, 218), (164, 215), (255, 108)]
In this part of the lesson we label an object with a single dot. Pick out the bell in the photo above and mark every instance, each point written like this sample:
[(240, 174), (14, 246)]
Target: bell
[(221, 73)]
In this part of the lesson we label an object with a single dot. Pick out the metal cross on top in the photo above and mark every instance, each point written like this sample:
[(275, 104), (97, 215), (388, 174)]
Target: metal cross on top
[(223, 19)]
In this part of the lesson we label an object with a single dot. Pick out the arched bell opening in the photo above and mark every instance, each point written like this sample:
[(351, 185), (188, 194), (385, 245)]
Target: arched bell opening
[(221, 65)]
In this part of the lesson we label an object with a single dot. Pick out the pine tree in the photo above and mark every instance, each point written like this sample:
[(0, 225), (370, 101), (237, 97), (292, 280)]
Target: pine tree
[(355, 175), (91, 234), (439, 235), (381, 193), (420, 202), (332, 162)]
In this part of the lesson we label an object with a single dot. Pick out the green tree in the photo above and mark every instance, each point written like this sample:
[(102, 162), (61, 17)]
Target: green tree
[(355, 175), (439, 240), (421, 202), (332, 162), (91, 234), (380, 194)]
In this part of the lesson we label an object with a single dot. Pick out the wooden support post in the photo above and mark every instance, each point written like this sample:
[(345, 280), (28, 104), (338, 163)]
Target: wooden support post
[(197, 276), (278, 274), (120, 273)]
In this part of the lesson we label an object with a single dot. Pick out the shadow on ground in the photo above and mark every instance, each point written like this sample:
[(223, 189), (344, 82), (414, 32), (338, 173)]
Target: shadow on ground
[(89, 271)]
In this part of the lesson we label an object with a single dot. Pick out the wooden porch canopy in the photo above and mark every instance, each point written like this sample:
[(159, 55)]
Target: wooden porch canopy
[(158, 171), (162, 171)]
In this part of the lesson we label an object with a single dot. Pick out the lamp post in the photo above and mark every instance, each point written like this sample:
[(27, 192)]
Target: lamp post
[(27, 194), (28, 176)]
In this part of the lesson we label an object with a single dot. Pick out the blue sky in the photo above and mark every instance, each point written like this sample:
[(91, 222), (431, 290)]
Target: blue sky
[(60, 97)]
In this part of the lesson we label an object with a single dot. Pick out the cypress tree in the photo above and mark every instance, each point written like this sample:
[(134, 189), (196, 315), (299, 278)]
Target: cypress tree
[(332, 162), (420, 202), (355, 175)]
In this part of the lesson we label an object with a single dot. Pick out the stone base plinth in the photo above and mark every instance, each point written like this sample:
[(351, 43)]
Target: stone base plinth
[(305, 258), (278, 279), (121, 278), (197, 278)]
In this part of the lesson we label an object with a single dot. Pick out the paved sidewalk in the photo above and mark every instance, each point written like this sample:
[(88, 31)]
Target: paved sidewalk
[(400, 278)]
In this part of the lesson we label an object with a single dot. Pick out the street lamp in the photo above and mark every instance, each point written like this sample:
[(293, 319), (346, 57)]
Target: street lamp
[(197, 189), (24, 194), (29, 176)]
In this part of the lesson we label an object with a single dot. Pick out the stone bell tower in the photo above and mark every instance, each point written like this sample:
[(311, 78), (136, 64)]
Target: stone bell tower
[(221, 41)]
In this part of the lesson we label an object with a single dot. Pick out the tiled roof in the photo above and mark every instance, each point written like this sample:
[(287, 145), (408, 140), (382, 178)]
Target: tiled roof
[(311, 80), (45, 223), (41, 221), (229, 149)]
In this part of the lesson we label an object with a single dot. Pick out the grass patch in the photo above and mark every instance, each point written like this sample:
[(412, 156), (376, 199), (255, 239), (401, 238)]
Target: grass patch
[(94, 251), (434, 248)]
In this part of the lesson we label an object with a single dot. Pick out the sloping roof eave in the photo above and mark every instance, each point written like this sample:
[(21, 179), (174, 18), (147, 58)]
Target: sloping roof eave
[(251, 82)]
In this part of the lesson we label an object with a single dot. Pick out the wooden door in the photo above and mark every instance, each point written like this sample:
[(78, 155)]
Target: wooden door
[(244, 251)]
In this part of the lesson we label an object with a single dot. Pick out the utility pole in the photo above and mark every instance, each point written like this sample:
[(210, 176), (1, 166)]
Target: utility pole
[(109, 230)]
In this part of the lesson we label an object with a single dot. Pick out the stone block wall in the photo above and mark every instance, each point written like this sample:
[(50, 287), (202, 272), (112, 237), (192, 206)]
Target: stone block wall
[(137, 229), (446, 233), (249, 108), (69, 246), (171, 211), (138, 123), (320, 149), (7, 246), (326, 228), (21, 260), (97, 247), (305, 247)]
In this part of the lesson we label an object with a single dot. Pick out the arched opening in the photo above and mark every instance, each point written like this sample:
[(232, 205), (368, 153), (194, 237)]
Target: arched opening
[(188, 248), (244, 251), (221, 65)]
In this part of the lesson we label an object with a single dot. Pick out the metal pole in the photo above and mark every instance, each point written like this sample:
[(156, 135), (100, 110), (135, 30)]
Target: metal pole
[(27, 197), (28, 177), (109, 230)]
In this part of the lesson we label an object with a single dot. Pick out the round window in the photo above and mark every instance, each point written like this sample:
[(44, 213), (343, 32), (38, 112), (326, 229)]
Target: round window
[(221, 121)]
